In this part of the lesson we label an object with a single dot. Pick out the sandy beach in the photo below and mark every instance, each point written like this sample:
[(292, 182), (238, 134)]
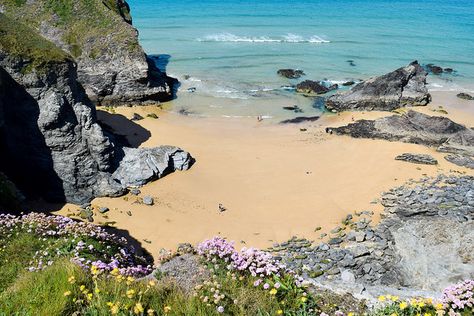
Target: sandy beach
[(275, 181)]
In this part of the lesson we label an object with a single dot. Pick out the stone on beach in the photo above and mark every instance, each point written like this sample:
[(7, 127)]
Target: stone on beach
[(417, 158), (142, 165), (465, 96), (414, 127)]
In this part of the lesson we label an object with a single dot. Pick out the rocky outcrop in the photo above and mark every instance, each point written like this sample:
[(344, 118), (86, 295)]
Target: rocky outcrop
[(403, 87), (417, 158), (52, 146), (461, 160), (112, 66), (314, 87), (142, 165), (291, 73), (424, 242), (417, 128)]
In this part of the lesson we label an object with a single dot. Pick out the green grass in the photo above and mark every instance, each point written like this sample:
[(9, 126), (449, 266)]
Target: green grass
[(90, 28), (15, 253), (21, 41)]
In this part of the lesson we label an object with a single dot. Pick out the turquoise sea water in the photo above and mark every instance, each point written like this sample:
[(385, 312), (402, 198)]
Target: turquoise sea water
[(233, 48)]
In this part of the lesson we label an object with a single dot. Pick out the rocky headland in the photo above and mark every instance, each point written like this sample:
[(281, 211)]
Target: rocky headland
[(111, 65), (52, 145)]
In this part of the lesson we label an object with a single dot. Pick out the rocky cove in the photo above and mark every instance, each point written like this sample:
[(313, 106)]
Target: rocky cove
[(57, 146)]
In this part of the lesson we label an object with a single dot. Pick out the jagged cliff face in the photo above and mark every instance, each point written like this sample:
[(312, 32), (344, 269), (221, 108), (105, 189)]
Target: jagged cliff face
[(50, 141), (112, 66)]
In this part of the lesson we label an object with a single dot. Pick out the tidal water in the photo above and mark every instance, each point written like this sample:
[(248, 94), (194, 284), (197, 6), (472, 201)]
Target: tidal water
[(230, 50)]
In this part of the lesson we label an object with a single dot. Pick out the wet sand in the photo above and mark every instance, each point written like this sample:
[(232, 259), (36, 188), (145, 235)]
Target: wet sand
[(275, 181)]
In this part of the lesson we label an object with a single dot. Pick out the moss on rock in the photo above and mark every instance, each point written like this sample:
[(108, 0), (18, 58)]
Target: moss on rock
[(18, 40)]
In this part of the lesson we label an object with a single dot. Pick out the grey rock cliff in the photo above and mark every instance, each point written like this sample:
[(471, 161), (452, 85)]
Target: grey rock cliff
[(52, 146), (111, 64), (403, 87)]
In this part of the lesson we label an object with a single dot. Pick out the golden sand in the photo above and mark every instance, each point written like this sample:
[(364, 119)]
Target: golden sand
[(275, 181)]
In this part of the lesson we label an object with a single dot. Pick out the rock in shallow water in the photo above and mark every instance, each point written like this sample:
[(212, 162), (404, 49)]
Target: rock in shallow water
[(291, 73), (417, 158), (405, 86)]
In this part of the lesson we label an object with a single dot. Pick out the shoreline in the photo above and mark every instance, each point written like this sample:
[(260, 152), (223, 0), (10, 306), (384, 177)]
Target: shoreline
[(320, 178)]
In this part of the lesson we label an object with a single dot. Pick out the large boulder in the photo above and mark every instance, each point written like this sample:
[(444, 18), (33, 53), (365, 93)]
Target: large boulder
[(417, 128), (112, 66), (141, 165), (403, 87)]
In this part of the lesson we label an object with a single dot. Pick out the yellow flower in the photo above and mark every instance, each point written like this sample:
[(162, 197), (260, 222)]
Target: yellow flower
[(167, 309), (439, 306), (130, 293), (110, 304), (427, 314), (130, 280), (115, 272), (89, 296), (350, 314), (394, 314), (138, 308), (114, 309), (279, 312), (403, 305), (151, 283), (303, 299), (395, 298), (381, 298), (273, 291), (95, 270), (82, 288), (71, 279), (67, 293), (150, 312)]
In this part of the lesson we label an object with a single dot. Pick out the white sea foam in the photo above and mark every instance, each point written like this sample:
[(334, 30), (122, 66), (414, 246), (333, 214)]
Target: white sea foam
[(288, 38)]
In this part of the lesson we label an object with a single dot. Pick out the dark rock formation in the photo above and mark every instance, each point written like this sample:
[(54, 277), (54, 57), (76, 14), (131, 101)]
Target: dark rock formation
[(417, 128), (291, 73), (403, 87), (461, 160), (465, 96), (313, 87), (436, 70), (51, 144), (300, 119), (112, 66), (417, 158), (348, 83)]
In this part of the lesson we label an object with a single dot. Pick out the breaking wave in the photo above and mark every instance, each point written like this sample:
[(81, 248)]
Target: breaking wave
[(288, 38)]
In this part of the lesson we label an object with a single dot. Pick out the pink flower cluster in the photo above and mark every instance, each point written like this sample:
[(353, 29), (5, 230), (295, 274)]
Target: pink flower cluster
[(258, 263), (459, 297)]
